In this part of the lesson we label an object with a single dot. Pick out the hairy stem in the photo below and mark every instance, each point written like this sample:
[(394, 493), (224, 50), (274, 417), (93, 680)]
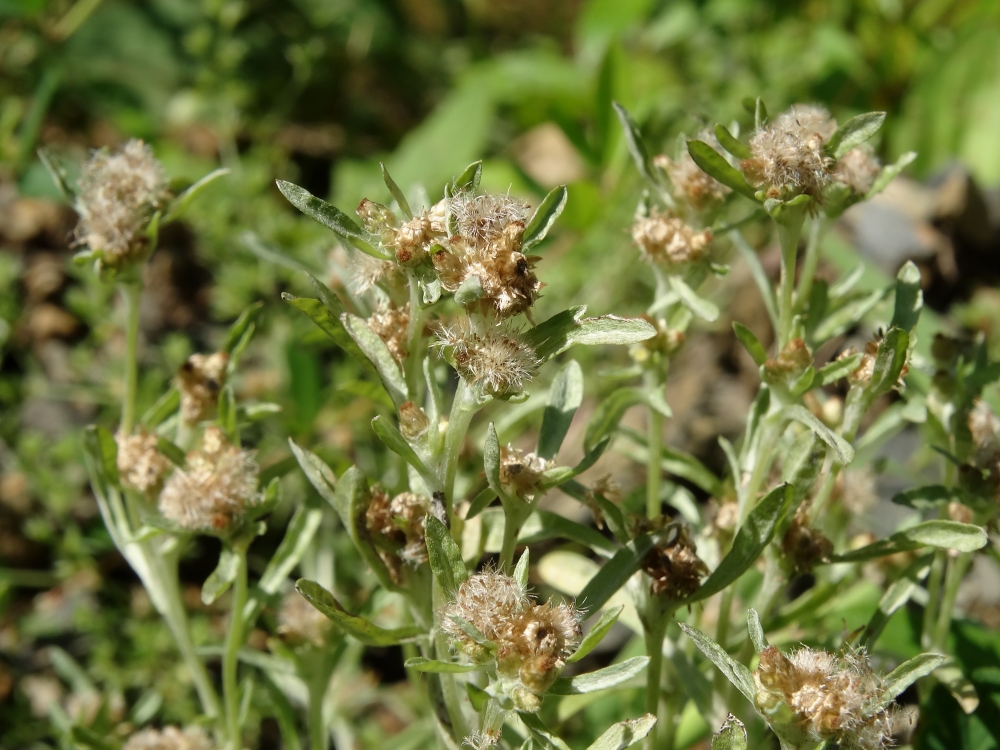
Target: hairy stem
[(130, 292), (810, 260), (789, 230), (462, 411), (230, 662), (654, 671)]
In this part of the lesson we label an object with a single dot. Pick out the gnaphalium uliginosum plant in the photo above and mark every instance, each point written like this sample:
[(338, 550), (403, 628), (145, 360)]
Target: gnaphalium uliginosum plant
[(777, 505)]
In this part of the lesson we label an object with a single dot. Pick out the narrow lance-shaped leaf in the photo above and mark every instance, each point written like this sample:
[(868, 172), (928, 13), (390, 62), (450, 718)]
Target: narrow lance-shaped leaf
[(181, 202), (729, 142), (633, 138), (565, 329), (756, 631), (735, 672), (421, 664), (220, 579), (597, 633), (329, 322), (351, 499), (907, 673), (376, 351), (565, 397), (624, 734), (732, 735), (609, 412), (444, 556), (843, 449), (890, 172), (750, 342), (393, 439), (548, 211), (854, 132), (614, 574), (329, 216), (889, 362), (239, 329), (909, 297), (491, 463), (601, 679), (470, 177), (712, 163), (397, 194), (962, 537), (521, 569), (896, 596), (703, 308), (359, 628), (320, 476)]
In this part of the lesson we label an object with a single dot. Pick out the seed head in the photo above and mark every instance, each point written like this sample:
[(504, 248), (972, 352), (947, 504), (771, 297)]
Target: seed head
[(804, 547), (412, 240), (667, 239), (793, 359), (675, 567), (169, 738), (538, 644), (482, 219), (200, 380), (491, 601), (494, 358), (214, 489), (689, 183), (300, 622), (788, 156), (521, 472), (390, 323), (118, 193), (858, 169), (141, 466)]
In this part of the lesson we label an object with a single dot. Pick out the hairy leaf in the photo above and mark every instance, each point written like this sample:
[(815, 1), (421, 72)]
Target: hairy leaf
[(714, 165), (565, 397), (735, 672), (545, 216), (601, 679)]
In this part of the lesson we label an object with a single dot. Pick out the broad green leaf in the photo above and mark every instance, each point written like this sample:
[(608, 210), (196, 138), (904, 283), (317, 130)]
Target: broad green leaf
[(700, 306), (222, 577), (962, 537), (601, 679), (756, 631), (393, 439), (420, 664), (890, 172), (633, 139), (854, 132), (732, 736), (361, 629), (565, 397), (376, 351), (604, 421), (735, 672), (521, 569), (596, 633), (320, 476), (731, 144), (444, 556), (751, 539), (182, 201), (329, 216), (907, 673), (714, 165), (613, 575), (624, 734), (909, 297), (548, 211), (843, 449), (750, 342), (896, 596), (397, 194)]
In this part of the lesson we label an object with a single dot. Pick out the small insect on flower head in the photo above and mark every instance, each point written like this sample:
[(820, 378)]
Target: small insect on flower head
[(788, 157), (491, 357), (200, 380), (217, 485), (141, 466), (118, 193), (169, 738)]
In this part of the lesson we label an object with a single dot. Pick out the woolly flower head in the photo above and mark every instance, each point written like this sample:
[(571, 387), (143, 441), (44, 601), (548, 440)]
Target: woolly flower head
[(214, 489), (491, 601), (141, 466), (390, 323), (200, 380), (301, 622), (521, 472), (397, 526), (492, 357), (674, 567), (118, 193), (667, 239), (788, 157), (689, 182), (367, 272), (169, 738), (802, 546), (482, 219), (829, 697), (858, 169)]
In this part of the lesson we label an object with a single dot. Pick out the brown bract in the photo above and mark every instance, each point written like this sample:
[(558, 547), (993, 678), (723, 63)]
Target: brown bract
[(675, 568), (521, 472), (803, 547), (200, 380)]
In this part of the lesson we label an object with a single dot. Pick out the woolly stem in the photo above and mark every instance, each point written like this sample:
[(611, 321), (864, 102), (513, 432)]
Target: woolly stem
[(130, 291), (462, 410), (789, 230), (230, 662), (655, 633)]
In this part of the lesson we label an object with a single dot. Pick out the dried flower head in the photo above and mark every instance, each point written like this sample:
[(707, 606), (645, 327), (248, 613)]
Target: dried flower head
[(521, 472), (537, 645), (667, 239), (793, 359), (788, 157), (200, 380), (483, 219), (299, 622), (491, 602), (492, 357), (675, 567), (482, 740), (412, 240), (804, 547), (830, 697), (862, 375), (169, 738), (214, 489), (689, 183), (118, 193), (397, 526), (141, 466), (858, 169), (367, 272), (390, 323), (379, 220)]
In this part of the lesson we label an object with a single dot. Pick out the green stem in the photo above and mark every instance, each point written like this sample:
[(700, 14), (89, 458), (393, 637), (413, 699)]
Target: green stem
[(230, 662), (654, 672), (934, 596), (789, 230), (953, 579), (462, 411), (654, 471), (810, 260), (319, 736), (130, 295), (415, 342), (513, 520)]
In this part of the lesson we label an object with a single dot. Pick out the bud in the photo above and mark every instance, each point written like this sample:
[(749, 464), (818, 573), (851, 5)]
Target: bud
[(412, 239), (378, 220), (675, 567), (491, 602), (141, 466), (200, 380), (791, 362), (413, 421)]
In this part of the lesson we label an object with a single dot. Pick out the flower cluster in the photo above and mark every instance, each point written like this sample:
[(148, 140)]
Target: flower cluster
[(689, 183), (217, 485), (816, 696), (169, 738), (141, 466), (521, 473), (532, 641), (397, 526), (390, 323), (667, 239), (118, 193), (200, 381), (674, 567), (494, 357)]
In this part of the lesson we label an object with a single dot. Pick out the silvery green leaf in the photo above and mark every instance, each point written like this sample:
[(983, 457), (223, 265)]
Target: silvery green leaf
[(854, 132), (183, 200), (491, 463), (896, 596), (753, 536), (359, 628), (597, 632), (843, 449), (907, 673), (444, 556), (320, 476), (756, 631), (469, 179), (397, 194), (351, 499), (633, 139), (890, 172), (624, 734), (732, 736), (735, 672), (759, 114), (470, 290), (420, 664), (909, 297), (376, 351), (889, 362), (298, 536), (545, 216), (601, 679), (329, 322), (715, 166), (220, 579), (731, 144), (329, 216), (750, 342), (521, 569), (962, 537), (700, 306), (558, 475), (565, 397), (613, 575), (477, 696), (393, 439)]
